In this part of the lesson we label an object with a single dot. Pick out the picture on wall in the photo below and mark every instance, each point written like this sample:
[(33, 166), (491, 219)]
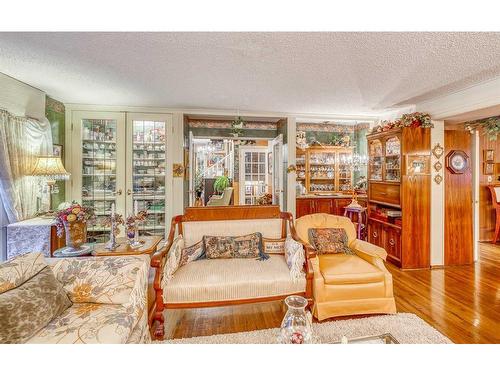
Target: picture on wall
[(489, 155), (57, 150), (489, 168)]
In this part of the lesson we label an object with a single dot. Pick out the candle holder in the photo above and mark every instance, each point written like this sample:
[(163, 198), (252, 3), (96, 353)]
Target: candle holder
[(113, 221)]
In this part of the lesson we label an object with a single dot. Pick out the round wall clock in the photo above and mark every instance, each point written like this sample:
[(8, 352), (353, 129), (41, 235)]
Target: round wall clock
[(457, 161)]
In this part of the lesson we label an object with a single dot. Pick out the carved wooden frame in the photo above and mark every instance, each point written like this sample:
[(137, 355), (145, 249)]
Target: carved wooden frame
[(156, 318)]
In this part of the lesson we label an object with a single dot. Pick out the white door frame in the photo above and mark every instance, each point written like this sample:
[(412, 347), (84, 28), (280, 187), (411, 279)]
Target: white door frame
[(242, 168), (163, 117), (277, 168), (74, 158)]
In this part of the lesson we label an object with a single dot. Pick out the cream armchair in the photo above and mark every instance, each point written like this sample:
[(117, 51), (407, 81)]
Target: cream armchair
[(347, 284), (221, 200)]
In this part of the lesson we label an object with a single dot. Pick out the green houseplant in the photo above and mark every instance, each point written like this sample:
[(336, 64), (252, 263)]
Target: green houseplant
[(221, 183)]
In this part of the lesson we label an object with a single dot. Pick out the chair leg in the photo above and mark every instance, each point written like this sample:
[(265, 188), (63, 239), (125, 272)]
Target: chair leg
[(159, 331)]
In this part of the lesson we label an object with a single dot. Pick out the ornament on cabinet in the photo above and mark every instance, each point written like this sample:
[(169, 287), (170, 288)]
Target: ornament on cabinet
[(438, 166), (438, 179)]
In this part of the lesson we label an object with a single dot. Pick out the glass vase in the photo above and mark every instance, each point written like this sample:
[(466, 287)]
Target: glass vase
[(296, 327), (76, 234)]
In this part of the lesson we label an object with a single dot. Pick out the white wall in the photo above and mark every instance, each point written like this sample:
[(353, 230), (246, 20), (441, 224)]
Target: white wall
[(437, 199), (21, 99)]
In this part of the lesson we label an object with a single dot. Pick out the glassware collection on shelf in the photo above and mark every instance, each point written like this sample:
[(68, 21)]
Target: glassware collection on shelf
[(98, 171), (385, 156), (148, 174)]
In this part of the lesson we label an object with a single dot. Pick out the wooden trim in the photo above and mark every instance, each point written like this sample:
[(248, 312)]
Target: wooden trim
[(231, 213), (194, 305)]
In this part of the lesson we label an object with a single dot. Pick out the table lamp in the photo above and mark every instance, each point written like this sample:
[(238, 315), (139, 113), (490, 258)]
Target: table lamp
[(50, 167)]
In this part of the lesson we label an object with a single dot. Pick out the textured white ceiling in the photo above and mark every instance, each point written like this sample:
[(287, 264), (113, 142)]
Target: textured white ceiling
[(343, 73)]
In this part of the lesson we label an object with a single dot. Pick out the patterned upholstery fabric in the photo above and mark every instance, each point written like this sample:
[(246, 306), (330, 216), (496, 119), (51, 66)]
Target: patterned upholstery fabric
[(329, 241), (89, 323), (19, 269), (208, 280), (194, 230), (120, 318), (191, 253), (30, 306), (98, 279), (225, 247)]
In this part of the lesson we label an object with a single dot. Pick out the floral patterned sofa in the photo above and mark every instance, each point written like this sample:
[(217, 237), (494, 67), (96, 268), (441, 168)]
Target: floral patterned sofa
[(108, 295)]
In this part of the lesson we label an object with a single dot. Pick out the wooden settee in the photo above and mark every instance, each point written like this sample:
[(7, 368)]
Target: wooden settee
[(219, 282)]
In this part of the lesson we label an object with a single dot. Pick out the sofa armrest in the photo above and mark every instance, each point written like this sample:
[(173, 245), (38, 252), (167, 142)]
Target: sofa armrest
[(369, 249)]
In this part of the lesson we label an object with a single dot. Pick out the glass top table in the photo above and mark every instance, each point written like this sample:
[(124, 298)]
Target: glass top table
[(385, 338)]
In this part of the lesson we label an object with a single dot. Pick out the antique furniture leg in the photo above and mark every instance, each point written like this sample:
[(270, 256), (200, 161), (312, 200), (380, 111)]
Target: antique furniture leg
[(497, 225)]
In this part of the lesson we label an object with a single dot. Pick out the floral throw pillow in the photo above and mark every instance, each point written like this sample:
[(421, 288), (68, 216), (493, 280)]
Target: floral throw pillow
[(225, 247), (191, 253), (295, 258), (329, 241)]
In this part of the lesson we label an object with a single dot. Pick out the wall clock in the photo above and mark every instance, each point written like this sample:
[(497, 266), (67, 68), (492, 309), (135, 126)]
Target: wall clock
[(457, 161)]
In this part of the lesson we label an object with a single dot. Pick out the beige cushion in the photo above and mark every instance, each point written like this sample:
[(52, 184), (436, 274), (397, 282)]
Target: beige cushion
[(348, 269), (303, 224), (89, 323), (99, 279), (193, 231), (208, 280)]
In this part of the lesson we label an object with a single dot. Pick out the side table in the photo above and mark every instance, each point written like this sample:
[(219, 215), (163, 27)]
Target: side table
[(37, 234), (149, 245)]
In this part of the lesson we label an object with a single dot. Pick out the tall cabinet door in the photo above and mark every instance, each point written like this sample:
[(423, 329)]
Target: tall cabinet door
[(98, 171), (149, 172)]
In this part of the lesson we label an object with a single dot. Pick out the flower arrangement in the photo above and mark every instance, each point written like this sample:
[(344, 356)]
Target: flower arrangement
[(408, 120), (73, 214), (265, 199), (133, 221), (490, 126)]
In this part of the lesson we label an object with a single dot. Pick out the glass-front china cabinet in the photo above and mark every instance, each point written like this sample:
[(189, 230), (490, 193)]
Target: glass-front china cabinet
[(119, 158)]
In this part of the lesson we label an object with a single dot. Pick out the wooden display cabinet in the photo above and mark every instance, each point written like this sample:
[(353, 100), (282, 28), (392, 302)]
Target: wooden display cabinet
[(399, 181), (324, 169)]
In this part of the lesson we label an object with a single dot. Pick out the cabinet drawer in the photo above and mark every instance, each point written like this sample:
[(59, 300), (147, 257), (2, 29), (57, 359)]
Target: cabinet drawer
[(304, 207), (387, 193), (376, 233), (393, 244)]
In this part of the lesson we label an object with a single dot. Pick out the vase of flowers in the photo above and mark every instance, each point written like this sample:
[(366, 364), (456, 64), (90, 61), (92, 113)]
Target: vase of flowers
[(113, 222), (72, 221), (132, 226)]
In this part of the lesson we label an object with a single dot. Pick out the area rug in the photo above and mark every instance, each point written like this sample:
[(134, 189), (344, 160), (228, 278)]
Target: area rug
[(406, 328)]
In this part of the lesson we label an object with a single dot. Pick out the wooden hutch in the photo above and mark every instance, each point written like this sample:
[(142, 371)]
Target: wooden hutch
[(326, 177), (399, 184)]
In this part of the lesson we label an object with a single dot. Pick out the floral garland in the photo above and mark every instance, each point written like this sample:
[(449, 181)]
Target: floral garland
[(408, 120), (490, 125), (71, 214)]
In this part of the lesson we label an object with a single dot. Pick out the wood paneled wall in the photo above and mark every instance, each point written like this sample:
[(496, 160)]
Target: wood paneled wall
[(458, 228), (486, 211), (416, 202)]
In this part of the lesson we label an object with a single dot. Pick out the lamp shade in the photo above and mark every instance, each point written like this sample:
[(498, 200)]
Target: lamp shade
[(50, 167)]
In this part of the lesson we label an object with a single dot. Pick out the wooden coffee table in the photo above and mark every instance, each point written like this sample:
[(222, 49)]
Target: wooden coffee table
[(149, 246)]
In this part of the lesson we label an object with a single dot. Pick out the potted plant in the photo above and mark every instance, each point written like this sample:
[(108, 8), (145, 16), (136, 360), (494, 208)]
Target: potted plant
[(221, 183)]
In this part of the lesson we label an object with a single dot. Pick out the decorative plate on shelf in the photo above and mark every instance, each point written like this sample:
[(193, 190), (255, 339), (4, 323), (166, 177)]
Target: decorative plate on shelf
[(457, 161)]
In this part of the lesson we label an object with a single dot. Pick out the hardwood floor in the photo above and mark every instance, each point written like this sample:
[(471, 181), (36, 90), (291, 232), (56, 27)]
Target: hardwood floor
[(462, 302)]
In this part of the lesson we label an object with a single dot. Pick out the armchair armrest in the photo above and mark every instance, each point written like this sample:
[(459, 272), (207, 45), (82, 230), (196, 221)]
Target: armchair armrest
[(369, 249)]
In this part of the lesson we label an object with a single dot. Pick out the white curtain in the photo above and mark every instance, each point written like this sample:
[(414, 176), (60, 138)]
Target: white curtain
[(21, 141)]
